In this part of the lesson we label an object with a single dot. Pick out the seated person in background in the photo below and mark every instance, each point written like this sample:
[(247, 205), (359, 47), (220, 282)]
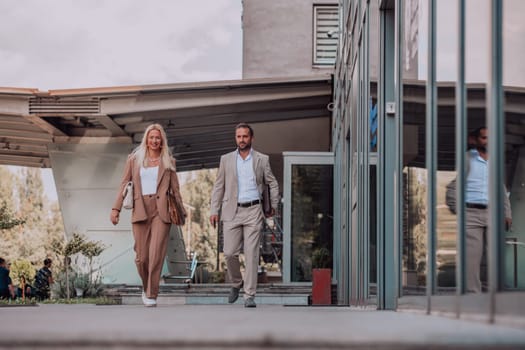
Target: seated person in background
[(24, 290), (6, 286), (12, 289), (43, 281)]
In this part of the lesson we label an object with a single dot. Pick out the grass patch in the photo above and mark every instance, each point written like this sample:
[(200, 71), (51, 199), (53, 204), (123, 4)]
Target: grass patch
[(34, 302), (18, 302), (96, 301)]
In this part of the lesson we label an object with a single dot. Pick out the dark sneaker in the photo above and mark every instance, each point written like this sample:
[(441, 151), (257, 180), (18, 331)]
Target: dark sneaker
[(234, 295), (250, 302)]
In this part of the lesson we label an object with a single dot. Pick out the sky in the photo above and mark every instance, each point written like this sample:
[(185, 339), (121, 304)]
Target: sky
[(477, 41), (65, 44), (61, 44)]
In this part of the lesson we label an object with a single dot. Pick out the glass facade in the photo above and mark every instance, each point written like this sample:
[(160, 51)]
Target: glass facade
[(413, 81)]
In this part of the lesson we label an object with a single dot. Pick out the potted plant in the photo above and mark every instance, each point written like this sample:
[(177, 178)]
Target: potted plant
[(321, 277)]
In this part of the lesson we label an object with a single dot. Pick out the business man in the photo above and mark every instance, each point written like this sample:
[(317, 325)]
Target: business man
[(477, 201), (238, 189)]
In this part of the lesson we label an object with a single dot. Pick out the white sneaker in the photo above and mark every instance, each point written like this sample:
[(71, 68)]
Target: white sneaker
[(150, 302)]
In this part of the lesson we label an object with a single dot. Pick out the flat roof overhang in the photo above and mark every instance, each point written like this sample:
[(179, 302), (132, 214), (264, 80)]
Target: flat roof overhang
[(199, 118)]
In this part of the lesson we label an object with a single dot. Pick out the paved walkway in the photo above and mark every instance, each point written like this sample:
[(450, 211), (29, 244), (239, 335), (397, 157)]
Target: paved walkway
[(233, 326)]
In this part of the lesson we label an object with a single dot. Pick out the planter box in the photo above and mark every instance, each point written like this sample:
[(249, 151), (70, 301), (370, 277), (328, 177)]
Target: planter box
[(321, 286)]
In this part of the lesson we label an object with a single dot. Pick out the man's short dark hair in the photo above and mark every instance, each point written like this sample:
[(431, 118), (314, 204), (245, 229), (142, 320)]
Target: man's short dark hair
[(47, 261), (477, 132), (244, 126)]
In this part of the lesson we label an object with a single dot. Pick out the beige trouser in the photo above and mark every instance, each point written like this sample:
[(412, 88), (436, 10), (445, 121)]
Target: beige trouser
[(244, 231), (476, 227), (151, 242)]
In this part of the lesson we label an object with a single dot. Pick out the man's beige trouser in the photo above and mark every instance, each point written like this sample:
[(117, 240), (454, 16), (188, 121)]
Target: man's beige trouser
[(244, 231), (476, 227)]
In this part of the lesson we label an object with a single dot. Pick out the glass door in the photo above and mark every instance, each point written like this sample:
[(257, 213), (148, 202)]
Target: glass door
[(308, 213)]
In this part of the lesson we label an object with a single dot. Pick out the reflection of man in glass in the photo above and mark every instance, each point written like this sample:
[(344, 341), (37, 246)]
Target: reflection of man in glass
[(238, 193), (476, 213)]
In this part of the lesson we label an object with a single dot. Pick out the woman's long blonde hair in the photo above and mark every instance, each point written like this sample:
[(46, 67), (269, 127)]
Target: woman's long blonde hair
[(165, 154)]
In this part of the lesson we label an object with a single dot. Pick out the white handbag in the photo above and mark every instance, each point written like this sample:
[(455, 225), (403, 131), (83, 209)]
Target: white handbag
[(127, 203)]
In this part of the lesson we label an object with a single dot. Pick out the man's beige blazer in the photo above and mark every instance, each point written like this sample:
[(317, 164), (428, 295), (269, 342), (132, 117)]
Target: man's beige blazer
[(225, 190), (165, 176)]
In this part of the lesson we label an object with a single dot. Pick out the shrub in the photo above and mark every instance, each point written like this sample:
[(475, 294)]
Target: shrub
[(22, 268)]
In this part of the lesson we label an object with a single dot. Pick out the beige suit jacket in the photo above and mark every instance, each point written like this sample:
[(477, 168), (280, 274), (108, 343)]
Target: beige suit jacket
[(225, 190), (165, 178)]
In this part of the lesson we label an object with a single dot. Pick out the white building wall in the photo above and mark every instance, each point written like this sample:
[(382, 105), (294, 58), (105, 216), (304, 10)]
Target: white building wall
[(87, 177)]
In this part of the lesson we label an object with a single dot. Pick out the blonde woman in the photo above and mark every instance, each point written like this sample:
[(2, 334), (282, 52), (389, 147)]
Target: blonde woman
[(151, 168)]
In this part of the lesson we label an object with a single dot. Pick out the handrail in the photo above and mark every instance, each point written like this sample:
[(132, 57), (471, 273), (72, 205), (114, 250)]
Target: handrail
[(515, 243), (192, 266)]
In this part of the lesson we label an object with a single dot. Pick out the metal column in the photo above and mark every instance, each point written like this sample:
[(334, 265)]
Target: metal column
[(387, 267), (461, 135), (495, 124), (431, 153)]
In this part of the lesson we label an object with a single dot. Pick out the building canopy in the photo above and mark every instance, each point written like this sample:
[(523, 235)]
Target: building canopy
[(199, 118)]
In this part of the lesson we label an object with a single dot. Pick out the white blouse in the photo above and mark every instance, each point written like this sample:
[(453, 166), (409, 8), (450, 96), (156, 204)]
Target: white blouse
[(148, 179)]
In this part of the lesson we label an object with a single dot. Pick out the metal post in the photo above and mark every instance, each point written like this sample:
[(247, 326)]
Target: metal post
[(496, 124), (358, 234), (381, 166), (387, 281), (461, 127), (431, 152), (398, 81), (366, 149)]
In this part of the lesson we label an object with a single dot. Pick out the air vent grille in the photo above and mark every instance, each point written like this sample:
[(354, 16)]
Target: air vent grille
[(63, 106)]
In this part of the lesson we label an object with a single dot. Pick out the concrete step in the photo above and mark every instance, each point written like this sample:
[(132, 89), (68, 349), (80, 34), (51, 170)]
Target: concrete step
[(270, 288), (214, 299), (213, 294)]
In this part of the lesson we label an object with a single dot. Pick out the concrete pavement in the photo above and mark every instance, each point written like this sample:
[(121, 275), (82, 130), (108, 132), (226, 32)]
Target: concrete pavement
[(83, 326)]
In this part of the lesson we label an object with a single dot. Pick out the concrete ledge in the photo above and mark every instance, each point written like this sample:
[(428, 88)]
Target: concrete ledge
[(214, 299)]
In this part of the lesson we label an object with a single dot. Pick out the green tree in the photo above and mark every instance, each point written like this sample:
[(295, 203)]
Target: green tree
[(22, 268), (7, 185), (7, 219), (23, 193), (31, 190), (78, 244), (197, 193)]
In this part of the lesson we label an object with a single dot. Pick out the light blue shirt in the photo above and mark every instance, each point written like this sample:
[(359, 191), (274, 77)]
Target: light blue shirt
[(477, 185), (247, 190)]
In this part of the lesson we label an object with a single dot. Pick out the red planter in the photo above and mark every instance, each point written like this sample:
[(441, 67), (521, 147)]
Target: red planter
[(321, 286)]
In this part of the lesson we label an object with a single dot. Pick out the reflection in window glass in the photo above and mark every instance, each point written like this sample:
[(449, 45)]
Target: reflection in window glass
[(514, 109)]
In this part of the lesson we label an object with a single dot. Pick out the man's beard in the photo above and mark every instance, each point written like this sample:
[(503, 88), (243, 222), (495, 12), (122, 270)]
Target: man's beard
[(246, 146), (482, 149)]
